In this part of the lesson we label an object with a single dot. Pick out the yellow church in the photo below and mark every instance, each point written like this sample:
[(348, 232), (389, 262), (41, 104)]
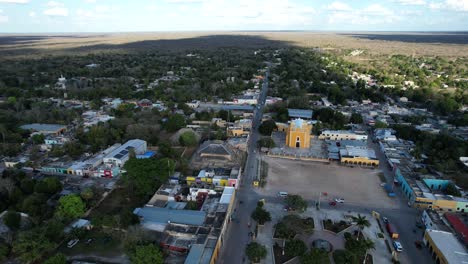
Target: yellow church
[(298, 133)]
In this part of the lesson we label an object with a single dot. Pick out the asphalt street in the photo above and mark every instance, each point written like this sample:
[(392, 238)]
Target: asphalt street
[(237, 236)]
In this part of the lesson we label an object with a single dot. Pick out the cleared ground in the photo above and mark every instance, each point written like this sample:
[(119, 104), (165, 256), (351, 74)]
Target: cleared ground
[(355, 185)]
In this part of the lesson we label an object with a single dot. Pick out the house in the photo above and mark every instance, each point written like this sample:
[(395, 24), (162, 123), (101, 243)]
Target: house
[(432, 220), (157, 218), (145, 103), (194, 104), (343, 135), (119, 156), (445, 247), (300, 113), (45, 129)]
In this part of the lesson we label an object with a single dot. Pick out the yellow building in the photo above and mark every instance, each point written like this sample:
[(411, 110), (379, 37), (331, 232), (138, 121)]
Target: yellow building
[(353, 155), (444, 247), (298, 134)]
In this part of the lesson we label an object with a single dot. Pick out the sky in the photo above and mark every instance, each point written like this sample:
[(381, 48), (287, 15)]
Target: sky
[(36, 16)]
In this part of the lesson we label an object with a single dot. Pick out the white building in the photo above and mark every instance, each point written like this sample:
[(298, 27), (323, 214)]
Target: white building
[(119, 156), (343, 135)]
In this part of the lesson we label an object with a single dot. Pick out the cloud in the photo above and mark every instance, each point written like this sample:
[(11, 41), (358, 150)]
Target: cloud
[(55, 9), (184, 1), (54, 4), (3, 19), (278, 14), (450, 5), (32, 14), (373, 14), (90, 1), (338, 6), (14, 2), (410, 2), (457, 5)]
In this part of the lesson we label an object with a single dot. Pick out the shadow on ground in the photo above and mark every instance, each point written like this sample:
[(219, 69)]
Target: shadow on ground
[(416, 37)]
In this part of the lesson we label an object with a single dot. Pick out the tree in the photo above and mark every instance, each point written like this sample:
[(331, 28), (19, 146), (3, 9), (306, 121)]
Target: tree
[(295, 248), (31, 245), (380, 124), (296, 202), (145, 254), (127, 218), (71, 206), (145, 175), (266, 142), (87, 194), (188, 139), (4, 251), (38, 139), (452, 190), (356, 118), (58, 258), (12, 219), (267, 127), (174, 123), (255, 251), (361, 222), (50, 185), (261, 215), (316, 256)]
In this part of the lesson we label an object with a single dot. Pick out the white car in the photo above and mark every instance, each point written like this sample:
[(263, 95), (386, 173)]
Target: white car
[(339, 200), (397, 246), (72, 243)]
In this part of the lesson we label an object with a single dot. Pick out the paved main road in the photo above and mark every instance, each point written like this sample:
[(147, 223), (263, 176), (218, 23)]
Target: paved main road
[(237, 236)]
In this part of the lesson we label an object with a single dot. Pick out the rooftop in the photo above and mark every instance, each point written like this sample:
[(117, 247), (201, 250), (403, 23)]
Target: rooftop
[(300, 113), (165, 215), (43, 127), (449, 246)]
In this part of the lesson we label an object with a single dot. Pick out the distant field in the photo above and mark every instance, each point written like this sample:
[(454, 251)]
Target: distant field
[(453, 44)]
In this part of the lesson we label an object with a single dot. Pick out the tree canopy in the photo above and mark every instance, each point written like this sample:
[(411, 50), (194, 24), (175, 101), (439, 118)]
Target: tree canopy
[(71, 206), (255, 251), (146, 254), (267, 127), (144, 176)]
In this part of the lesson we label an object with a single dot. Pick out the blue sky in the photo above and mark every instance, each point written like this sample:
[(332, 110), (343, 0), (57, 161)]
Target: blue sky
[(31, 16)]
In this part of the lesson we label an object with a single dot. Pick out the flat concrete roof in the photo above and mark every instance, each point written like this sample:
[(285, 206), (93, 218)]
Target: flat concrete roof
[(449, 246)]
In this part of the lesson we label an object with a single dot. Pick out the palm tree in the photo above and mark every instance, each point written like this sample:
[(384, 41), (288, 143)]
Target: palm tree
[(361, 222)]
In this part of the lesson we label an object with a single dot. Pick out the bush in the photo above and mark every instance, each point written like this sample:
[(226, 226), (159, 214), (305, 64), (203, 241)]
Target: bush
[(188, 139), (294, 248), (267, 127), (12, 219), (255, 251)]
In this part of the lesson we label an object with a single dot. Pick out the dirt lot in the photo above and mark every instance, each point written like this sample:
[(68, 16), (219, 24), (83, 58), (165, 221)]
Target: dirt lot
[(355, 185)]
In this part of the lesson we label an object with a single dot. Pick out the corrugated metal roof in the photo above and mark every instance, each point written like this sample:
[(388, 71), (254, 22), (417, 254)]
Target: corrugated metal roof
[(301, 113), (165, 215)]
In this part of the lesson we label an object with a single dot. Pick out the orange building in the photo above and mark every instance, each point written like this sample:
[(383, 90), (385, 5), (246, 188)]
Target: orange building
[(298, 133)]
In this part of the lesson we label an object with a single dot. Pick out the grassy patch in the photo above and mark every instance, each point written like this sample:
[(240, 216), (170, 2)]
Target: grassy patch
[(263, 172), (103, 244), (118, 201), (279, 257), (335, 227), (292, 224)]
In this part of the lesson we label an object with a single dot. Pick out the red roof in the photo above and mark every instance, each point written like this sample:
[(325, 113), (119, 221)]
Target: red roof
[(458, 225)]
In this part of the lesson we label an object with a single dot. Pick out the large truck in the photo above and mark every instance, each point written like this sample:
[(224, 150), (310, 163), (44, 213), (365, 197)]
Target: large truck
[(392, 231)]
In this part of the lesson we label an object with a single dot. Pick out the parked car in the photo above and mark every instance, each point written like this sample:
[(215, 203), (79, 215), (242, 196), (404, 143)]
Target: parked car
[(72, 242), (339, 200), (89, 241), (332, 203), (397, 246), (283, 194), (385, 220)]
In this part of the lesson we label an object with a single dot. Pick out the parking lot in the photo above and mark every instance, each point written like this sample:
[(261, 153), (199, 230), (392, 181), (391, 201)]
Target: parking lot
[(357, 186)]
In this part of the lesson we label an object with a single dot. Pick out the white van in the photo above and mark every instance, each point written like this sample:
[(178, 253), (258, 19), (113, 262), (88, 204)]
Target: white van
[(282, 194), (72, 243)]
